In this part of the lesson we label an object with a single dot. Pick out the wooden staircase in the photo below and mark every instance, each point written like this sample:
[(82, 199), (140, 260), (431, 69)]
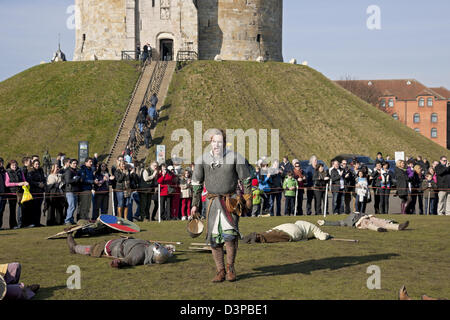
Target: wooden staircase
[(155, 78), (164, 71), (129, 118)]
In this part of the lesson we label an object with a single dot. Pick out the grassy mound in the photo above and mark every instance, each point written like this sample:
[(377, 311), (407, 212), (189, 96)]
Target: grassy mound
[(417, 257), (56, 105), (313, 114)]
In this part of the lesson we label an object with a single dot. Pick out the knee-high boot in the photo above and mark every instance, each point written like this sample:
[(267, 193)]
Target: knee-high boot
[(231, 257), (217, 254)]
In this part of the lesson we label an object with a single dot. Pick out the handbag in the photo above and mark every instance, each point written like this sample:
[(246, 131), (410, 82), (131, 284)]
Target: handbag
[(26, 196)]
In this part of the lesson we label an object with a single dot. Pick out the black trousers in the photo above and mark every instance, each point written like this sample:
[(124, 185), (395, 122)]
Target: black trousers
[(12, 202), (289, 206), (165, 207), (384, 195), (300, 194), (145, 199), (319, 196), (377, 200), (101, 204), (55, 215), (154, 197), (310, 195)]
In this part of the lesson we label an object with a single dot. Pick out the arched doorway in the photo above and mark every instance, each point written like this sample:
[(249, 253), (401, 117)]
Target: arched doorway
[(166, 49)]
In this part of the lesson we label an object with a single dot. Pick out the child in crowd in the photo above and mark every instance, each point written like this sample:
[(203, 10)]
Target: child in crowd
[(362, 192), (429, 194), (256, 192), (290, 185), (186, 195)]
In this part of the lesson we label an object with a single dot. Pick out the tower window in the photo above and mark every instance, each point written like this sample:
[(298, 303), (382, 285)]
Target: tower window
[(430, 102), (416, 118), (258, 38)]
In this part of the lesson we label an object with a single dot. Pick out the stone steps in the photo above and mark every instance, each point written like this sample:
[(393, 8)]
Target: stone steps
[(129, 119)]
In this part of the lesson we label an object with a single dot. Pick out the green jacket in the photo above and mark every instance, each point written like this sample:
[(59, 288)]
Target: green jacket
[(256, 195), (289, 183)]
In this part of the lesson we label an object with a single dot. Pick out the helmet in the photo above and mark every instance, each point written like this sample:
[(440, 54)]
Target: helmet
[(160, 254), (195, 228)]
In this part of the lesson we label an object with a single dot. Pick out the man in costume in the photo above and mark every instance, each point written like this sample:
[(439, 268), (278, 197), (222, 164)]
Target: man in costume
[(300, 230), (124, 251), (220, 170), (10, 288), (365, 221)]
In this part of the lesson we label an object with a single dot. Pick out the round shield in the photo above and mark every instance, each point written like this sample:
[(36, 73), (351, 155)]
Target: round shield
[(195, 228), (2, 288), (119, 224)]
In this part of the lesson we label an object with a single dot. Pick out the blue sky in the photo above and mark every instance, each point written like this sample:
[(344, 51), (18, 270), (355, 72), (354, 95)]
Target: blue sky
[(414, 40)]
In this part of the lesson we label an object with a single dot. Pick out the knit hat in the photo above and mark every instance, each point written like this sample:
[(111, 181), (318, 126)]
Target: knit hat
[(255, 183)]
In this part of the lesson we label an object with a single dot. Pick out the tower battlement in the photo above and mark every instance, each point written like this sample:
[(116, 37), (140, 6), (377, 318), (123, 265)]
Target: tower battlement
[(232, 29)]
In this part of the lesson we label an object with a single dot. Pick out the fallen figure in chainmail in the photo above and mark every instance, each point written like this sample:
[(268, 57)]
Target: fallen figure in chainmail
[(125, 251)]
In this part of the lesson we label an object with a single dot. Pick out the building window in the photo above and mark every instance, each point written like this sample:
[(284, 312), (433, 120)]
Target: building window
[(383, 103), (391, 103), (395, 116), (434, 118), (416, 118), (417, 130), (430, 102), (434, 133), (421, 102)]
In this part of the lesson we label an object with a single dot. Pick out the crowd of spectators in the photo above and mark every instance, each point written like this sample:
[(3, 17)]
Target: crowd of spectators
[(66, 191)]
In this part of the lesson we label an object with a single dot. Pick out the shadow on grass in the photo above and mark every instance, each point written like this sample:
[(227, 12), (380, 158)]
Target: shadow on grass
[(165, 107), (306, 267), (8, 234), (46, 293)]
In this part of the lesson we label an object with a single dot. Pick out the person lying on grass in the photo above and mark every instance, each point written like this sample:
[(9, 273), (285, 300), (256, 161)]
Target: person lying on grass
[(403, 295), (125, 251), (365, 221), (10, 287), (300, 230)]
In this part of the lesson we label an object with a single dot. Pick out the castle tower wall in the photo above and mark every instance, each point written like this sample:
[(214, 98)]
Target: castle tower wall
[(102, 29), (240, 29), (169, 19)]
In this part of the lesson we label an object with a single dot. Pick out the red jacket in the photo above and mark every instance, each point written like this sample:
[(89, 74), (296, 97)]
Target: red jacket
[(164, 181)]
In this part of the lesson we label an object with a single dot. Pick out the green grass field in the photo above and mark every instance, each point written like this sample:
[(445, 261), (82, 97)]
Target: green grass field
[(55, 105), (418, 257), (314, 115)]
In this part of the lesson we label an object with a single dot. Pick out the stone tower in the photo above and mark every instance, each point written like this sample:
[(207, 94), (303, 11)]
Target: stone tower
[(232, 29)]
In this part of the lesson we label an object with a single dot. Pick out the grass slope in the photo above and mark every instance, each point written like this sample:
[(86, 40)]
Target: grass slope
[(313, 114), (418, 257), (56, 105)]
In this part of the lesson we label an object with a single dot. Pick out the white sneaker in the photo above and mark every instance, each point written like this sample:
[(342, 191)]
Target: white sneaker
[(183, 218)]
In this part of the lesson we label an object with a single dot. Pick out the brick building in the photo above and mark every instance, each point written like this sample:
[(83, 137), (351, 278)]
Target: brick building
[(424, 109)]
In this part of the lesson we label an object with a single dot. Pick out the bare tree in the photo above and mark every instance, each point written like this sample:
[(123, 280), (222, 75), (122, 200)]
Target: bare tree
[(362, 89)]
